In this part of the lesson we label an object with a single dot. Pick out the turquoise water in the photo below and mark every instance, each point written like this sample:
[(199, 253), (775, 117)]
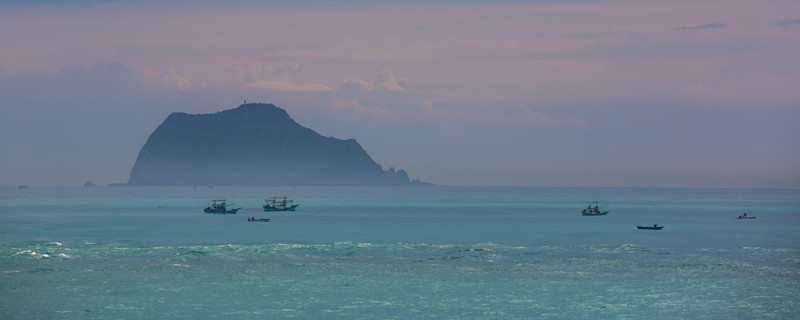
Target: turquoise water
[(398, 253)]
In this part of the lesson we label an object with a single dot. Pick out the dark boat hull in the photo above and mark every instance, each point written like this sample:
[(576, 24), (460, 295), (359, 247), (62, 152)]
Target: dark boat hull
[(266, 208), (212, 211), (649, 228), (594, 214)]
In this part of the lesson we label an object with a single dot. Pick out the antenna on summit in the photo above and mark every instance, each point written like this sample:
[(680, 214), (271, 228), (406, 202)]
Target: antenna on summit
[(245, 101)]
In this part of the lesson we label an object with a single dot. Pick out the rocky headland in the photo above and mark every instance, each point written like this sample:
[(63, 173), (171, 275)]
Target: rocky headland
[(254, 144)]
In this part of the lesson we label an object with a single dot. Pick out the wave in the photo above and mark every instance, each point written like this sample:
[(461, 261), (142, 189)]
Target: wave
[(574, 258), (132, 247)]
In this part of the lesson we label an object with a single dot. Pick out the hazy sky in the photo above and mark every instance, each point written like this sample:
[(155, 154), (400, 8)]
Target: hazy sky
[(542, 93)]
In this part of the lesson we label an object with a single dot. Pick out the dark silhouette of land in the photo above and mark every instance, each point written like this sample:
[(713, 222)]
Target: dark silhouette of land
[(254, 144)]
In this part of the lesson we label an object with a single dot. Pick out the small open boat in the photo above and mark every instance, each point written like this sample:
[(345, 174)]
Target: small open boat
[(219, 207), (744, 216), (254, 219), (654, 227)]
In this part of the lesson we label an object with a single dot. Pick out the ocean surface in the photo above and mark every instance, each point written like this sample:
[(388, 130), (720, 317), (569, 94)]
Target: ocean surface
[(399, 253)]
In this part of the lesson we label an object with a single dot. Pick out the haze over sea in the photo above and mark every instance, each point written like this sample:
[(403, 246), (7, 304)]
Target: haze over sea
[(397, 253)]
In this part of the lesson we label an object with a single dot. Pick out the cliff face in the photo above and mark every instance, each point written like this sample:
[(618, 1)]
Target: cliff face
[(254, 144)]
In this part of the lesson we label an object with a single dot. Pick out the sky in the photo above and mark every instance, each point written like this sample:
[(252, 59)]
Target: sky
[(475, 93)]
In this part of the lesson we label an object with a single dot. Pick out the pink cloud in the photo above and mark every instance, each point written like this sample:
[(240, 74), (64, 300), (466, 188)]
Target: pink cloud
[(356, 108), (287, 86), (383, 81), (357, 85), (173, 79), (533, 52), (386, 81)]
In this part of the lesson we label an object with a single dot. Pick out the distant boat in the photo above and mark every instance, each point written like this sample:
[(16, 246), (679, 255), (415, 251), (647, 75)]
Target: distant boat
[(22, 186), (654, 227), (254, 219), (744, 216), (219, 207), (593, 209), (280, 204)]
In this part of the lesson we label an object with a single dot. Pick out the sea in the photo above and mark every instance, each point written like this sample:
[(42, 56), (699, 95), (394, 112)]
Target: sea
[(399, 253)]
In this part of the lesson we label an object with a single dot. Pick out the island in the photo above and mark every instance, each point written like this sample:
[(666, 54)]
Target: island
[(256, 144)]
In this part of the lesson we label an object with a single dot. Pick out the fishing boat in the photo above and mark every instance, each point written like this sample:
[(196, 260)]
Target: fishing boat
[(279, 204), (593, 209), (744, 216), (654, 227), (254, 219), (220, 207)]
